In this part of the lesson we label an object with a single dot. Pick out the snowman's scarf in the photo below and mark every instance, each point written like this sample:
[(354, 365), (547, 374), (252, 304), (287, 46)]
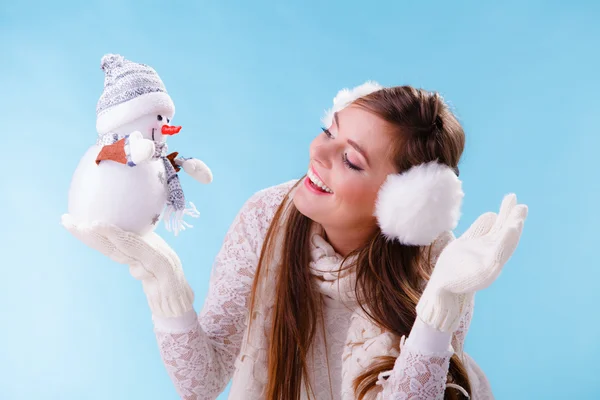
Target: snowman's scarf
[(173, 215), (175, 206)]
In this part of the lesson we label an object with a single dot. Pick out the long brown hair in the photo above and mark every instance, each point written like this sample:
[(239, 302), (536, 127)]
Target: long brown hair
[(390, 275)]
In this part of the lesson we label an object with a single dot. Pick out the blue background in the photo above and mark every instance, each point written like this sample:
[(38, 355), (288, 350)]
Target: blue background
[(251, 81)]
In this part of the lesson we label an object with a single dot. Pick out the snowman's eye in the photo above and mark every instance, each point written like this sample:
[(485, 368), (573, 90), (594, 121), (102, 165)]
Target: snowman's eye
[(159, 117), (168, 121)]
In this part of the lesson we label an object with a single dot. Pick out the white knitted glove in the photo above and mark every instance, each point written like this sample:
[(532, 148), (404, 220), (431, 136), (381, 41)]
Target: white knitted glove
[(471, 263), (151, 260), (91, 236), (197, 169)]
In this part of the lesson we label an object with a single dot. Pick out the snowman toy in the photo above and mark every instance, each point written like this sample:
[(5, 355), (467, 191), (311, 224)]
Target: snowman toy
[(126, 178)]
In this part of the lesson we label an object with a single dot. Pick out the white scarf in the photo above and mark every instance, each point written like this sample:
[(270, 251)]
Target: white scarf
[(364, 340)]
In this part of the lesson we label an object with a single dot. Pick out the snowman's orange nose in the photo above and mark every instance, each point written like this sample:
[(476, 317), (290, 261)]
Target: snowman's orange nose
[(170, 130)]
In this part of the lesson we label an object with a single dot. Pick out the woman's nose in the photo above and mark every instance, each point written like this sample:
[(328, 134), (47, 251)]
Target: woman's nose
[(323, 154)]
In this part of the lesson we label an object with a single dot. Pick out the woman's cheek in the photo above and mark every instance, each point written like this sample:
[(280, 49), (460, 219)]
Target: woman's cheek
[(354, 192)]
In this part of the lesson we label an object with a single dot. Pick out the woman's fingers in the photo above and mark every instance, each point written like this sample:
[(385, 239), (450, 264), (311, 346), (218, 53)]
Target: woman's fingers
[(481, 226)]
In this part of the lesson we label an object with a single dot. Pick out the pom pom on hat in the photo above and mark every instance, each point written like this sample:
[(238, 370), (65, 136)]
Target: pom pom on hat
[(110, 61), (417, 206)]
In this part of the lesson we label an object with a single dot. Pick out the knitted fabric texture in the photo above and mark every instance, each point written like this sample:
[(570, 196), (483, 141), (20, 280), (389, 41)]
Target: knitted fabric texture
[(471, 263), (125, 80), (131, 90)]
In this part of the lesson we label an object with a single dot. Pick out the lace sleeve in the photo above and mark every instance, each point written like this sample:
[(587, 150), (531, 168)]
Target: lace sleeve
[(480, 385), (199, 354), (421, 374)]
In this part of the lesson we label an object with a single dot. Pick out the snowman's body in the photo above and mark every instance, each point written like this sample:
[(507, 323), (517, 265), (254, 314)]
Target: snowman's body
[(132, 198), (127, 179)]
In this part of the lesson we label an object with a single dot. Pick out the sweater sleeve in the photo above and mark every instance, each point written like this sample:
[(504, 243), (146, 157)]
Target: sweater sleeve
[(421, 370), (199, 351)]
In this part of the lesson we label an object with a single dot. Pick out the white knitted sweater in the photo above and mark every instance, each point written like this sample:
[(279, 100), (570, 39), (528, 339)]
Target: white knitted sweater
[(200, 351)]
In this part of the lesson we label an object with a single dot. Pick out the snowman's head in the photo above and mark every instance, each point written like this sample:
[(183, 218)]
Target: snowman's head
[(134, 99), (155, 126)]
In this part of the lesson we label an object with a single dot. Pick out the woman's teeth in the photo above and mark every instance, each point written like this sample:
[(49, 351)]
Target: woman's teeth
[(317, 182)]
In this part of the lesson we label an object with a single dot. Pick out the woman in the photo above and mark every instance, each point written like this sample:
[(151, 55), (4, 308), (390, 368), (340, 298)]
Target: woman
[(320, 281)]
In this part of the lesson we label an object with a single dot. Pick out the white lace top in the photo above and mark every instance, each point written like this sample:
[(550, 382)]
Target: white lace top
[(199, 351)]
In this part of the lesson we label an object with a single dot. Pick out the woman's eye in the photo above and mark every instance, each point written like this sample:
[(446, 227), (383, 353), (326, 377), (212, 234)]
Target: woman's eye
[(327, 132), (349, 164)]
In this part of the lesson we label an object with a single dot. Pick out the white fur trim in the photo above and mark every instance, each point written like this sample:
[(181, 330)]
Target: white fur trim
[(346, 96), (417, 206), (133, 109)]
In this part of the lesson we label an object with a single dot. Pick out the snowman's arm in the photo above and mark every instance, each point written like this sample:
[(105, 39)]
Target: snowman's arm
[(180, 160), (113, 152), (197, 169)]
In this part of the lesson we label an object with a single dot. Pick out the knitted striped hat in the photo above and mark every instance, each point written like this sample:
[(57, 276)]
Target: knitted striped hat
[(131, 90)]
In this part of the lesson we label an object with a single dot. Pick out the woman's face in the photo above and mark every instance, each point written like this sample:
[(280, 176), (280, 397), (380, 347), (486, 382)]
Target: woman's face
[(348, 164)]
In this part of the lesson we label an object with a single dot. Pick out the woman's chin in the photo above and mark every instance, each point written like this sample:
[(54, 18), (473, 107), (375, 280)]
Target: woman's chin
[(305, 206)]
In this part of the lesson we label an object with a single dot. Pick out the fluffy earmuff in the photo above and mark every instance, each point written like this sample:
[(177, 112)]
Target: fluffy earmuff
[(416, 206), (346, 96)]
